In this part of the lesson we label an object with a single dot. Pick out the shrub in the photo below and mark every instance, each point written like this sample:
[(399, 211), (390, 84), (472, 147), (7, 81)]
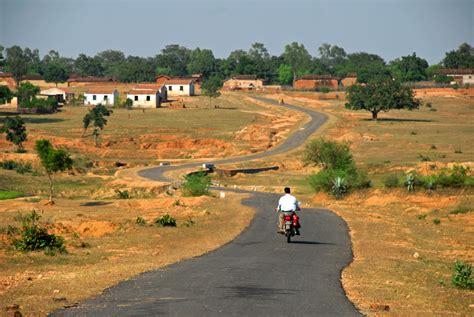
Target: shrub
[(19, 167), (455, 86), (196, 184), (436, 221), (189, 222), (421, 217), (362, 180), (166, 221), (467, 85), (391, 181), (329, 154), (429, 105), (455, 177), (322, 181), (8, 164), (140, 221), (461, 209), (462, 276), (339, 187), (122, 194), (34, 236)]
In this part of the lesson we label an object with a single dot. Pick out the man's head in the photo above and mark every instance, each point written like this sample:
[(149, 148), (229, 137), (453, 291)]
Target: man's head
[(287, 190)]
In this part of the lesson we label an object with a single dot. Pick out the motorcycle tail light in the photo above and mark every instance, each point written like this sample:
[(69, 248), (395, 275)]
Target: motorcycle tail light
[(287, 218)]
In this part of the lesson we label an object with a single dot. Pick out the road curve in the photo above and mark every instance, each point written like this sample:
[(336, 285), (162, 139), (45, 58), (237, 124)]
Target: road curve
[(256, 274)]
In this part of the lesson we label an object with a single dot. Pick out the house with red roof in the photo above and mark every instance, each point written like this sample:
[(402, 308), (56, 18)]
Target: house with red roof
[(180, 87)]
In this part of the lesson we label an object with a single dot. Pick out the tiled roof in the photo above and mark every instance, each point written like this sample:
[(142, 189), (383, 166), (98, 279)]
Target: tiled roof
[(245, 77), (455, 71), (143, 92), (101, 91), (317, 77), (179, 81), (148, 86), (90, 79), (3, 75)]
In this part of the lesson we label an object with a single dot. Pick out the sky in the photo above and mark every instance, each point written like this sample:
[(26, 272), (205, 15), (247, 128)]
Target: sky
[(389, 28)]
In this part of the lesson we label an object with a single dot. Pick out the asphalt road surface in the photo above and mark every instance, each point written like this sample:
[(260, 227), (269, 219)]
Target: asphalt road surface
[(257, 274)]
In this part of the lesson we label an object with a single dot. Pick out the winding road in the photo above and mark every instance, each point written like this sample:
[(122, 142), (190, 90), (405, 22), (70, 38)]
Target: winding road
[(257, 274)]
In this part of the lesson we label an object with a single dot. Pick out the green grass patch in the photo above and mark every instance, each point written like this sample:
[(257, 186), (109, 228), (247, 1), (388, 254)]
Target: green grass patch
[(9, 194)]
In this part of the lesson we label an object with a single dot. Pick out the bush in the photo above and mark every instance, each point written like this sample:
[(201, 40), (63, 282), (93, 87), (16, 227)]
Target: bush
[(436, 221), (166, 221), (122, 194), (461, 209), (462, 276), (34, 236), (323, 181), (455, 177), (140, 221), (329, 154), (455, 86), (339, 187), (19, 167), (391, 181), (196, 184), (40, 106)]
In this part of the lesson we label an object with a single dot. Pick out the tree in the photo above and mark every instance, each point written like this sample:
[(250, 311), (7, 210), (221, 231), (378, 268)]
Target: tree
[(328, 154), (409, 68), (96, 116), (54, 72), (331, 55), (210, 88), (379, 96), (16, 63), (26, 92), (6, 94), (202, 61), (367, 67), (15, 130), (137, 69), (110, 61), (88, 66), (174, 57), (53, 161), (463, 57), (285, 75), (297, 57)]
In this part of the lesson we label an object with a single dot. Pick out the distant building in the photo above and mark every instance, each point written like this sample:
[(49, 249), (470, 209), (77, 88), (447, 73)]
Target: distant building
[(6, 79), (145, 98), (89, 81), (349, 80), (103, 96), (163, 91), (311, 82), (243, 82), (56, 93), (180, 87), (460, 75), (161, 79)]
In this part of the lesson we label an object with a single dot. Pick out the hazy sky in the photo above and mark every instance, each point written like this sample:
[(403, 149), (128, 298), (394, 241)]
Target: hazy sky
[(389, 28)]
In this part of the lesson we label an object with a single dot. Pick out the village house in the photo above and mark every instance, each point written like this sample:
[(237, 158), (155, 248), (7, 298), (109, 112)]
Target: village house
[(103, 96), (145, 98), (243, 82), (180, 87), (162, 90), (461, 76), (56, 93), (161, 79), (349, 80), (312, 82)]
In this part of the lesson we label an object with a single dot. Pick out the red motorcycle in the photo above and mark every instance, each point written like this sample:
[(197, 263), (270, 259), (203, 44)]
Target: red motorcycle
[(291, 225)]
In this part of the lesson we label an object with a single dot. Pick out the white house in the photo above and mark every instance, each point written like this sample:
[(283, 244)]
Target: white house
[(145, 98), (180, 87), (58, 94), (461, 76), (103, 96), (162, 90)]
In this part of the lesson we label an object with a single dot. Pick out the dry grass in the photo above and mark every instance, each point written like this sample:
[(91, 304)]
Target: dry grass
[(106, 246)]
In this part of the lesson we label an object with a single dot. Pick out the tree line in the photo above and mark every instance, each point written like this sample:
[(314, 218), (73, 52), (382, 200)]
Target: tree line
[(179, 61)]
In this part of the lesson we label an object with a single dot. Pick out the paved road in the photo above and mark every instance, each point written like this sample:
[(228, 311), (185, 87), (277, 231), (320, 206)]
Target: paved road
[(257, 274)]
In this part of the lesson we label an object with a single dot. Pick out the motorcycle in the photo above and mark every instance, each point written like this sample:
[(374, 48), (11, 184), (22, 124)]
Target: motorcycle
[(290, 225)]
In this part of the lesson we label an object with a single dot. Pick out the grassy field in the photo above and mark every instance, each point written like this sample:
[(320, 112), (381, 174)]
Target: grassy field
[(404, 244)]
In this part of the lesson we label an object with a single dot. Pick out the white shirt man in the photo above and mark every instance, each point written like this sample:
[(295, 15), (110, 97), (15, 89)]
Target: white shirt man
[(287, 203)]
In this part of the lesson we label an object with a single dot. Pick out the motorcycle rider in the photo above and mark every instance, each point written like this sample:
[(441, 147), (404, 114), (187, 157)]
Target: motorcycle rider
[(287, 204)]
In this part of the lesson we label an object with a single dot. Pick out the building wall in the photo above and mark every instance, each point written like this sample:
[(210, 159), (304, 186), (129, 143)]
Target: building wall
[(468, 79), (9, 82), (243, 84), (174, 90), (314, 83), (89, 99), (348, 81), (143, 103)]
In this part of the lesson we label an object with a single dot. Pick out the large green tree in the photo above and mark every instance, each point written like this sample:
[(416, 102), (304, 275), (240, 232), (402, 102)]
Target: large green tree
[(15, 131), (174, 57), (463, 57), (53, 161), (298, 58), (55, 72), (332, 55), (285, 75), (16, 63), (379, 96), (88, 66), (201, 61), (26, 92), (409, 68), (110, 61)]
